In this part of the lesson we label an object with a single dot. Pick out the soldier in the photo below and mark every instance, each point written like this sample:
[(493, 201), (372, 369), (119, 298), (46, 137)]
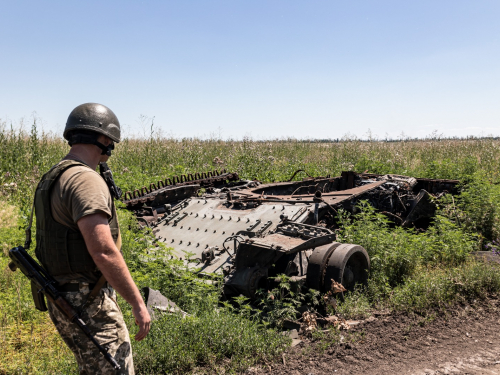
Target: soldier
[(78, 243)]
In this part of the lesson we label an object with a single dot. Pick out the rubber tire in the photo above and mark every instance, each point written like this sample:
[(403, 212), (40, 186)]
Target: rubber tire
[(351, 257), (317, 265)]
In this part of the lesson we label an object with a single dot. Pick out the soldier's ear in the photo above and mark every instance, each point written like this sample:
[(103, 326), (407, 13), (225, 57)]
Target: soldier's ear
[(104, 139)]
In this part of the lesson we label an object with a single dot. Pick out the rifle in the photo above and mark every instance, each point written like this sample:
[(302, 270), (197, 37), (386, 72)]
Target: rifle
[(44, 285), (107, 175)]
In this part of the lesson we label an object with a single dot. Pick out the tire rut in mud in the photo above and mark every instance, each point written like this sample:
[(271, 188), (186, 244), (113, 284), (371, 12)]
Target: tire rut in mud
[(461, 340)]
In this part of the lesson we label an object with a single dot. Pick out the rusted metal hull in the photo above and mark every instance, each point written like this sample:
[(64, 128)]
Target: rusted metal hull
[(251, 232)]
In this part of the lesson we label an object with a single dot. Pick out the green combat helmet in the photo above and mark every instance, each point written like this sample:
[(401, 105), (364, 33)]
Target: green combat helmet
[(87, 121)]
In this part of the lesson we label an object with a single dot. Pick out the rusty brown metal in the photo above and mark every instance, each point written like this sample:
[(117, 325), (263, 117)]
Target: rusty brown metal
[(334, 197), (273, 227), (429, 184), (149, 195)]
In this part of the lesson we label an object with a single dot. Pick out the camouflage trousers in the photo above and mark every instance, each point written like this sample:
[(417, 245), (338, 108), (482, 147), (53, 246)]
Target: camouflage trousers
[(105, 320)]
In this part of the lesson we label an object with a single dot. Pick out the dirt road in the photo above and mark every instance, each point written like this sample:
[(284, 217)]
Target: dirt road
[(464, 340)]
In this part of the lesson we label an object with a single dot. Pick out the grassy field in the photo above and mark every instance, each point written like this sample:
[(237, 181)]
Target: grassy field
[(411, 271)]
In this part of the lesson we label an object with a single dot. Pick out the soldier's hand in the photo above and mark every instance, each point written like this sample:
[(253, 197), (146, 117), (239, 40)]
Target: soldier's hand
[(143, 320)]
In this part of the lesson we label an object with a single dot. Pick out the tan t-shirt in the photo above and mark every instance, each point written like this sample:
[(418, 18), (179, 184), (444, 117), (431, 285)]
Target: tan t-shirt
[(78, 192)]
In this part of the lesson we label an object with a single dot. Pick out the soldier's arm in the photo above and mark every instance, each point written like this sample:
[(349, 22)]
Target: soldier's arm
[(97, 235)]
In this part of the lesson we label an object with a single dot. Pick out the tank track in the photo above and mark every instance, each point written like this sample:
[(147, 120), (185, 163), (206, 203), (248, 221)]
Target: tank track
[(204, 179)]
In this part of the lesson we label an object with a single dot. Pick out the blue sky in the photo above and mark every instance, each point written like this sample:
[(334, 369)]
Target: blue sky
[(264, 69)]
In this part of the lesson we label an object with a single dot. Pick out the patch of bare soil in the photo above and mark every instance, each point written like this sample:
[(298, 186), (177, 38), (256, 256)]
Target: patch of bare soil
[(462, 340)]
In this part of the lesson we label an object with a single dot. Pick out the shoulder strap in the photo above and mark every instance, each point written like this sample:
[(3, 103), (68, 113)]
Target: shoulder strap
[(27, 242)]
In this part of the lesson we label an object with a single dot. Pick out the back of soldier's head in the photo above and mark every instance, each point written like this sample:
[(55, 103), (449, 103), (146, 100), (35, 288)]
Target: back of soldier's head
[(92, 119), (89, 121)]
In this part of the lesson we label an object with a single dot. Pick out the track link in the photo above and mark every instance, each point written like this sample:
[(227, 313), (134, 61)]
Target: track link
[(204, 179)]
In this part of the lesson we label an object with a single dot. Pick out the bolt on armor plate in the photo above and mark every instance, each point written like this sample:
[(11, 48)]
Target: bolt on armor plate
[(251, 232)]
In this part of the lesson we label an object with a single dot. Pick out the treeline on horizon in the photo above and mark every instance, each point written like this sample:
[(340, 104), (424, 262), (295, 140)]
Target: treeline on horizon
[(154, 132), (22, 133), (388, 140)]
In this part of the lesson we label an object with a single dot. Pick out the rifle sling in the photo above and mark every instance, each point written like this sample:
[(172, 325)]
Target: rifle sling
[(27, 242), (97, 288), (93, 294)]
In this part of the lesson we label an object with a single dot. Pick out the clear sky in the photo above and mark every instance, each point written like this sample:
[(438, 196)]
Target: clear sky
[(265, 69)]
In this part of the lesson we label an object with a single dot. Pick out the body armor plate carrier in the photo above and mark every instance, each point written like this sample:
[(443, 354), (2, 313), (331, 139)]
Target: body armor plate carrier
[(60, 249)]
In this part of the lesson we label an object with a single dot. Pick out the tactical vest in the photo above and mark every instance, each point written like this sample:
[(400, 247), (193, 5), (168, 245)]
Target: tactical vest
[(60, 249)]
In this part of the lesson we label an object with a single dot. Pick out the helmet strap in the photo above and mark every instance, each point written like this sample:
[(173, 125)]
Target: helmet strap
[(92, 140)]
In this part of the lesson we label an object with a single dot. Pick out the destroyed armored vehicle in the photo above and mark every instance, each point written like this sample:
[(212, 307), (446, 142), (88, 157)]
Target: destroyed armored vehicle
[(251, 232)]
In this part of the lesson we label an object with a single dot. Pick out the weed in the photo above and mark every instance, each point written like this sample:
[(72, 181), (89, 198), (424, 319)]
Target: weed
[(176, 345), (477, 208), (356, 305)]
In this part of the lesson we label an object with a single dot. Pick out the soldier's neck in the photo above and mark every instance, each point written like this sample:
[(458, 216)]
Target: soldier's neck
[(87, 154)]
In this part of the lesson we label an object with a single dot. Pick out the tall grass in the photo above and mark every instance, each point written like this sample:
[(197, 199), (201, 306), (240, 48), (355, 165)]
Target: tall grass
[(24, 155), (28, 339), (410, 270)]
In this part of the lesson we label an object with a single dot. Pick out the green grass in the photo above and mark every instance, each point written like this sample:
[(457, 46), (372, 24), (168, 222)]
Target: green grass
[(29, 342), (209, 340), (411, 271)]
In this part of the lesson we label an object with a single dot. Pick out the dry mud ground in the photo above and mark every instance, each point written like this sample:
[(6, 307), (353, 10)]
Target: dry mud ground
[(462, 340)]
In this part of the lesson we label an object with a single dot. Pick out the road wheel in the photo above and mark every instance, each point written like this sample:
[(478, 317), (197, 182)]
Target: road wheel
[(317, 265), (349, 265)]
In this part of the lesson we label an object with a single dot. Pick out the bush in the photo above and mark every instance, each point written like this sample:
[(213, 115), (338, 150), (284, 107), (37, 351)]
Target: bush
[(395, 253), (477, 208), (437, 288)]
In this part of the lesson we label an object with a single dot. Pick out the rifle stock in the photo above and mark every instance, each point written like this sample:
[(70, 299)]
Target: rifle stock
[(44, 285)]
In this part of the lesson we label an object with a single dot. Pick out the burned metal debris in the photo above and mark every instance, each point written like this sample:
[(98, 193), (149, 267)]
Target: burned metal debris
[(157, 304), (251, 232)]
